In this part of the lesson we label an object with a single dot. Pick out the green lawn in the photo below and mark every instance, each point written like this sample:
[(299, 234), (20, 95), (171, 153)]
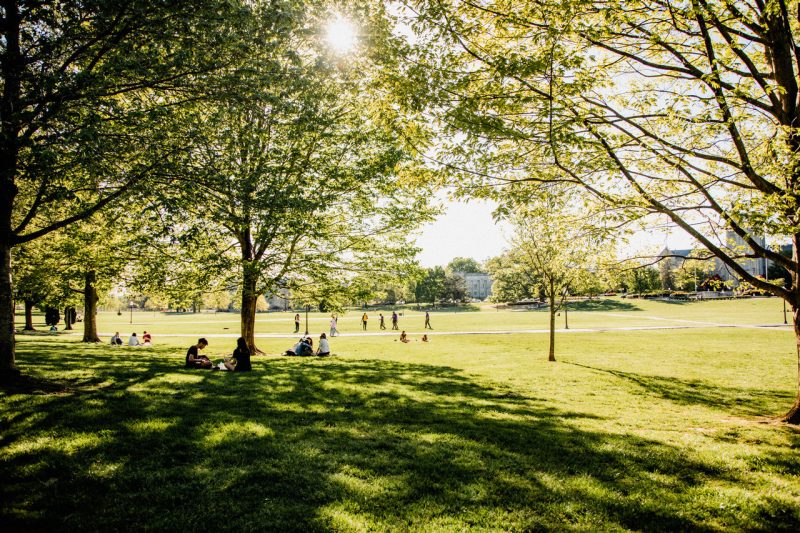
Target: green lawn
[(629, 430)]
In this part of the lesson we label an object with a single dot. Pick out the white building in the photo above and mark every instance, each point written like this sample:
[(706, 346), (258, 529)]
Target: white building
[(479, 284)]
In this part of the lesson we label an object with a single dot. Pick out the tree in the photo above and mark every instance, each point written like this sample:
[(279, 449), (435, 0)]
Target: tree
[(430, 287), (454, 288), (551, 251), (304, 173), (91, 94), (464, 264), (684, 110)]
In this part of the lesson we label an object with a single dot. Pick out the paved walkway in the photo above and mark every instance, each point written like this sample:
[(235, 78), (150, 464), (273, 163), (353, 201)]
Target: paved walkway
[(689, 324)]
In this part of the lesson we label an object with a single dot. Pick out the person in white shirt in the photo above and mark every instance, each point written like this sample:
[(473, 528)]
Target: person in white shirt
[(324, 348), (133, 340)]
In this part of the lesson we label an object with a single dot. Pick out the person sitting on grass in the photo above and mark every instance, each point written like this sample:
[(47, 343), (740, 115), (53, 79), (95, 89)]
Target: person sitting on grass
[(193, 357), (147, 339), (133, 340), (115, 340), (425, 338), (324, 348), (403, 337), (240, 361)]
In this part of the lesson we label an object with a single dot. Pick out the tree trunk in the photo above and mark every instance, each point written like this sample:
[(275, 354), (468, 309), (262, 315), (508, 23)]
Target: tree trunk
[(12, 66), (29, 315), (90, 308), (552, 296), (8, 367), (69, 317), (793, 416), (249, 293)]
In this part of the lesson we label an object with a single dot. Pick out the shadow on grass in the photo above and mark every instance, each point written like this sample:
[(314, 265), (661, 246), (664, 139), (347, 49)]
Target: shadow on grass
[(735, 400), (596, 305), (327, 444), (603, 305)]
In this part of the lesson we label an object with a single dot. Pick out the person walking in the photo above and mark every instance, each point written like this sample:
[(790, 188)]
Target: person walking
[(297, 322), (364, 319), (383, 324), (394, 320), (334, 323), (428, 321)]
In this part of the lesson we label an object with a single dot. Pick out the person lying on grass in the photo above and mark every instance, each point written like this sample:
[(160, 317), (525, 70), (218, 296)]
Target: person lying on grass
[(303, 348), (193, 357), (240, 361)]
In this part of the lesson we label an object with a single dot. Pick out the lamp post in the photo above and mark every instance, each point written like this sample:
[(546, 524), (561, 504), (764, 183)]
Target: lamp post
[(131, 306), (566, 318), (307, 308)]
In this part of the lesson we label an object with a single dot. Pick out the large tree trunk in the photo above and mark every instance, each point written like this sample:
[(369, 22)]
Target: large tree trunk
[(8, 367), (12, 66), (552, 296), (249, 292), (29, 315), (90, 308), (793, 416)]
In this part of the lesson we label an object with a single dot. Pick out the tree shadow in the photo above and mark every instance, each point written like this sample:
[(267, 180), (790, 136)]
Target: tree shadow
[(603, 304), (313, 445), (735, 400)]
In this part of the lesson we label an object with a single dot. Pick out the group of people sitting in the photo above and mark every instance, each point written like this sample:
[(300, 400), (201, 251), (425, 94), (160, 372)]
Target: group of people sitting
[(305, 347), (239, 361), (133, 340), (404, 337)]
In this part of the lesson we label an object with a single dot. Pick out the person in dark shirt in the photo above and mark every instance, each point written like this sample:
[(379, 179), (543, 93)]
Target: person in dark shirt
[(240, 361), (193, 357)]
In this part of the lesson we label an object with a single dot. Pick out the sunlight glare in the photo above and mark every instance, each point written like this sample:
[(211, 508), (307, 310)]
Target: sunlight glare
[(341, 35)]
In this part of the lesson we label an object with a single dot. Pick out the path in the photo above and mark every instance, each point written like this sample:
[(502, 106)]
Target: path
[(691, 324)]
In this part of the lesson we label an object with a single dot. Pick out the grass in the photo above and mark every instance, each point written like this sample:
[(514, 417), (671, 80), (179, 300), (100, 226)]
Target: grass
[(630, 430)]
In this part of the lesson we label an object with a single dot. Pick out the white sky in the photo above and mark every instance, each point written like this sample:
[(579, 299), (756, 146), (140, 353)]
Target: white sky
[(466, 229)]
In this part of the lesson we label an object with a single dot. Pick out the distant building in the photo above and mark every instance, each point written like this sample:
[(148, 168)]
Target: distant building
[(479, 284), (279, 300), (734, 245)]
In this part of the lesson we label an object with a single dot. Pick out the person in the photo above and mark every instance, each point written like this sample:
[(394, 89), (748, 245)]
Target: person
[(305, 348), (425, 338), (403, 337), (193, 357), (53, 329), (334, 323), (147, 339), (133, 340), (324, 348), (394, 320), (302, 348), (240, 360), (383, 324), (297, 322), (364, 319), (115, 340), (428, 321)]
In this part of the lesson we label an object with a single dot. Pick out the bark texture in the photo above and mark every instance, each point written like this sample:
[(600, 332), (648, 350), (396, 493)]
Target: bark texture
[(90, 308)]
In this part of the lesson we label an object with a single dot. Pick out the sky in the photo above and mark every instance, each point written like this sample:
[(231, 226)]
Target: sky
[(466, 229)]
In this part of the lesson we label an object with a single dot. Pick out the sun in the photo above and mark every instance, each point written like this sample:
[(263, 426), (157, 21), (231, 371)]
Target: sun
[(341, 35)]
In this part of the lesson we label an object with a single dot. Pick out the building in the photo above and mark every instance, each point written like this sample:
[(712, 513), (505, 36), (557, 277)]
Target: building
[(734, 245), (479, 284)]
